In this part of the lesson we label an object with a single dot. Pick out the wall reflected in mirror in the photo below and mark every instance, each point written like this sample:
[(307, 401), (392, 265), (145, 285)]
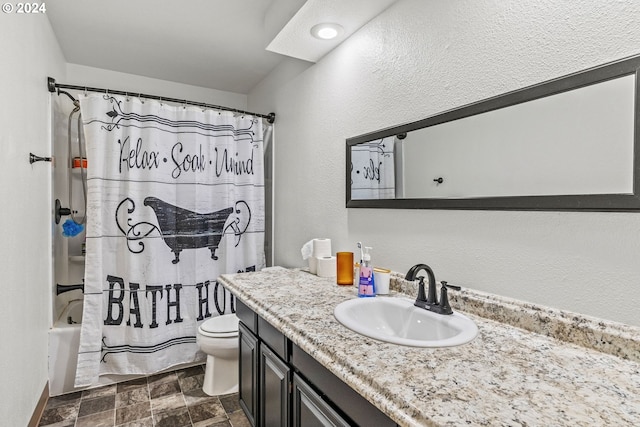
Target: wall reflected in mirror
[(573, 136)]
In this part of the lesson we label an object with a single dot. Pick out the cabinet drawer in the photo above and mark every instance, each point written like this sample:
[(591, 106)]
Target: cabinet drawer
[(273, 338), (247, 316)]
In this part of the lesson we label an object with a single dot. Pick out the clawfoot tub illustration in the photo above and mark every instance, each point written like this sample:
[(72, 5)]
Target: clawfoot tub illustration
[(184, 229)]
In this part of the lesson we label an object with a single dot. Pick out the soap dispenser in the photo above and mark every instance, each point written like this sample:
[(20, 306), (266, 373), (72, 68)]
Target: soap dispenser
[(366, 285)]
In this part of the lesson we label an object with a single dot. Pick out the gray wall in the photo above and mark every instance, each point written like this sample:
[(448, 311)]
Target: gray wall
[(419, 58)]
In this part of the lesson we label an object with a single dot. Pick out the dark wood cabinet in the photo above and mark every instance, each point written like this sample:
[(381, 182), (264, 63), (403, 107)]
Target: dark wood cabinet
[(274, 384), (248, 375), (282, 386), (309, 410)]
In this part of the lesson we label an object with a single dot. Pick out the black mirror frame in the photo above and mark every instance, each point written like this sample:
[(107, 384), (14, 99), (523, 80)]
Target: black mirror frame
[(586, 202)]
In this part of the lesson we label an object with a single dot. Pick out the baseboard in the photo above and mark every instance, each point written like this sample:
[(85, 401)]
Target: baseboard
[(39, 410)]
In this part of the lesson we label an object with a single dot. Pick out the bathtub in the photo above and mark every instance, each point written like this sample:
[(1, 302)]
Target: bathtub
[(64, 342)]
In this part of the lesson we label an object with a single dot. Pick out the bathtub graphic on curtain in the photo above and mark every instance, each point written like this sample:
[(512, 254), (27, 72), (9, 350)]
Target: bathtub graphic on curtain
[(175, 198), (182, 229)]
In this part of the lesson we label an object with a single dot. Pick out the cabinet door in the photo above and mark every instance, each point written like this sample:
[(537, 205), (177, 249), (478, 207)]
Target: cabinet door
[(309, 410), (248, 375), (275, 380)]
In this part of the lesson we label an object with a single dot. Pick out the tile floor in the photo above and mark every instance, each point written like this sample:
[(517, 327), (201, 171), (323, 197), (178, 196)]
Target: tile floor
[(173, 399)]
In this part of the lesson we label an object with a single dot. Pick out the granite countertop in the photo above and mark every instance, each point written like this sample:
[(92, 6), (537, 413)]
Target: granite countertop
[(528, 366)]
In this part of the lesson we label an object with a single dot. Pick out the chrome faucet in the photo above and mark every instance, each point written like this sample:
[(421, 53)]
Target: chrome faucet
[(430, 301)]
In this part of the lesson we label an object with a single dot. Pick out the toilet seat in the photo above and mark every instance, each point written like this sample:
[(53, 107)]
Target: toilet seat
[(225, 326)]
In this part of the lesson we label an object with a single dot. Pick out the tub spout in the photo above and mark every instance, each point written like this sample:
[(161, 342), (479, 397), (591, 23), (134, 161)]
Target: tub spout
[(60, 289)]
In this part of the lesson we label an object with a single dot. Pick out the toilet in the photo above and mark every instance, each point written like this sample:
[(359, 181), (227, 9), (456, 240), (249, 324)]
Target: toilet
[(218, 339)]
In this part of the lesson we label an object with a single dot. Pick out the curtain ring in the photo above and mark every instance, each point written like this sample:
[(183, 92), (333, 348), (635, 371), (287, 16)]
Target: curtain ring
[(184, 104), (160, 100), (85, 91), (140, 98), (127, 96)]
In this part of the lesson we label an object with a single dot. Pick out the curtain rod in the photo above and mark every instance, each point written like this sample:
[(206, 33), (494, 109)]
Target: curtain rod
[(55, 87)]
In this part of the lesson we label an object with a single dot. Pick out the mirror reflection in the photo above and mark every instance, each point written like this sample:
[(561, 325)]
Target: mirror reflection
[(573, 136)]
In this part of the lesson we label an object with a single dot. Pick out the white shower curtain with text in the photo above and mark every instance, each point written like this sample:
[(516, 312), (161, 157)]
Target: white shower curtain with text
[(175, 198), (373, 170)]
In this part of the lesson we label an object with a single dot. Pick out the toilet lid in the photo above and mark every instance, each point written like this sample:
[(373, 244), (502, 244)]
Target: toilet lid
[(221, 325)]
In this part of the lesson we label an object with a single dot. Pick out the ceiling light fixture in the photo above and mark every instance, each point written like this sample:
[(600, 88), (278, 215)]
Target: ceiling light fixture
[(326, 31)]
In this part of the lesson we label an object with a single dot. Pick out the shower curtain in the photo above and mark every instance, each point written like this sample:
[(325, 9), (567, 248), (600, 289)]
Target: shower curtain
[(373, 170), (175, 198)]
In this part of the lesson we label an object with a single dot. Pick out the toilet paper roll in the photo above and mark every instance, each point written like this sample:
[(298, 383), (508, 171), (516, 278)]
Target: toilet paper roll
[(313, 265), (327, 266), (321, 248)]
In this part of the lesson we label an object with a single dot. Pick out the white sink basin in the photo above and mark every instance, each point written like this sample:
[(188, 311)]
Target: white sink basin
[(398, 321)]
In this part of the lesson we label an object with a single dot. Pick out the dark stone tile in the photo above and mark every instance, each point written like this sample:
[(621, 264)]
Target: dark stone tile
[(211, 423), (231, 402), (101, 419), (207, 411), (173, 401), (164, 388), (147, 422), (99, 392), (196, 396), (191, 383), (189, 372), (131, 384), (132, 397), (97, 404), (172, 418), (133, 412), (239, 419), (160, 378), (62, 424), (65, 399), (60, 413)]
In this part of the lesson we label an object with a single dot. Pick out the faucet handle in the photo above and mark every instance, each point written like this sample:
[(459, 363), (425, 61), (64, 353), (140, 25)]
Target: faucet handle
[(445, 308), (447, 285)]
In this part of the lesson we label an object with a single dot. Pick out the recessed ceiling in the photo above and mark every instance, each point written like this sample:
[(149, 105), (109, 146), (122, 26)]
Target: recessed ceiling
[(214, 44), (296, 40)]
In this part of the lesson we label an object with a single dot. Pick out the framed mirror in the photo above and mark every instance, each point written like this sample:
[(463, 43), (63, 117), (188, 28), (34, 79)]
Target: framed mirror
[(564, 144)]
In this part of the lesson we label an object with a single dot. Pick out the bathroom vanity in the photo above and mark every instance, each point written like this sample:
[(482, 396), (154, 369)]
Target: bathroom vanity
[(276, 378), (528, 365)]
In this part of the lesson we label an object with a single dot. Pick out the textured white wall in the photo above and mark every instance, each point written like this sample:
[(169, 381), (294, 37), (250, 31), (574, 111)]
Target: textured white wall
[(81, 75), (419, 58), (29, 54)]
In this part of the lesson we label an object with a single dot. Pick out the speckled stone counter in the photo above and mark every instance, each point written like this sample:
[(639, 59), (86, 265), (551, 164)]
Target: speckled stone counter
[(544, 371)]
